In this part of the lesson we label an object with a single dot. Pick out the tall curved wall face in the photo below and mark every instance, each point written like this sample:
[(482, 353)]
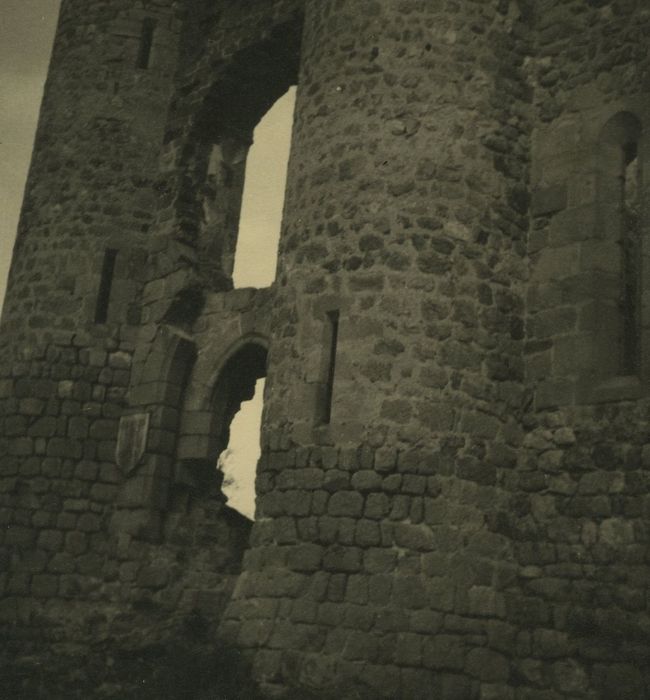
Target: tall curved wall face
[(376, 523), (452, 497)]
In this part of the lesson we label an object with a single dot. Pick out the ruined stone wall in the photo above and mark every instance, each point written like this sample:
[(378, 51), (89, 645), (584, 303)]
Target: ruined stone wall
[(453, 487), (94, 547), (65, 375), (453, 528), (582, 531)]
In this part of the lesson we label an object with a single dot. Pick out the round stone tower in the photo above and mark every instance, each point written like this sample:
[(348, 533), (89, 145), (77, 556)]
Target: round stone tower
[(396, 363), (89, 198), (71, 310)]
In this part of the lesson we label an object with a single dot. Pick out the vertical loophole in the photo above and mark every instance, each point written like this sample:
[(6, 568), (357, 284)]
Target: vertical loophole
[(146, 42), (630, 259), (333, 332), (105, 285)]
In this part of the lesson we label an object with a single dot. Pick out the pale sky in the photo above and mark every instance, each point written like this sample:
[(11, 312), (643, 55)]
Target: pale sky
[(26, 34)]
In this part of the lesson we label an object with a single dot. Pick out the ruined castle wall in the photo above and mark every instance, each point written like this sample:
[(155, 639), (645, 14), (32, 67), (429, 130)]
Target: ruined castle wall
[(192, 322), (236, 62), (90, 183), (589, 72), (94, 544), (453, 489), (374, 555), (581, 536)]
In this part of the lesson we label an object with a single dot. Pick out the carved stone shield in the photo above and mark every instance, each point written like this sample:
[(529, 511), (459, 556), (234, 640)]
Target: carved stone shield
[(131, 441)]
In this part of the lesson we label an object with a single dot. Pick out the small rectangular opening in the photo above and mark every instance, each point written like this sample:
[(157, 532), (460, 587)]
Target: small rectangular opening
[(333, 321), (105, 284), (631, 259), (146, 42)]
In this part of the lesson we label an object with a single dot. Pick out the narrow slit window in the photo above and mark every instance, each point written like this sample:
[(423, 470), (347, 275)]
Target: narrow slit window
[(333, 321), (105, 285), (630, 259), (146, 42)]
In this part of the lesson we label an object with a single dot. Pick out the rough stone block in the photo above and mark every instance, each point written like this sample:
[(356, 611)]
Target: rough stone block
[(409, 649), (377, 506), (50, 540), (63, 447), (21, 447), (153, 577), (254, 633), (103, 493), (415, 537), (412, 484), (61, 563), (437, 417), (427, 622), (480, 424), (487, 665), (485, 602), (305, 557), (367, 533), (620, 680), (409, 592), (570, 677), (78, 427), (344, 559), (443, 652), (392, 483), (549, 200), (18, 536), (556, 263), (440, 594), (297, 503), (43, 427), (366, 480), (379, 560), (44, 586), (360, 646), (346, 503)]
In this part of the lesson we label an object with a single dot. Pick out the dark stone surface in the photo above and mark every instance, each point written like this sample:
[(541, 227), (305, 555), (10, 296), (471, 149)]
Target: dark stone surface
[(473, 520)]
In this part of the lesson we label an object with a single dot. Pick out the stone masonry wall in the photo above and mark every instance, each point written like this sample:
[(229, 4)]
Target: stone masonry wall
[(582, 527), (374, 556), (453, 493), (65, 379), (66, 575), (90, 551)]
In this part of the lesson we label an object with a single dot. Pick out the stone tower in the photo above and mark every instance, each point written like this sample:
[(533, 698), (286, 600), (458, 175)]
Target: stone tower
[(453, 497)]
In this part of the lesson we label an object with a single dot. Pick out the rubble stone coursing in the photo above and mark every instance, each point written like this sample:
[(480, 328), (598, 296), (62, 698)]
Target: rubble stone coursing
[(473, 520)]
